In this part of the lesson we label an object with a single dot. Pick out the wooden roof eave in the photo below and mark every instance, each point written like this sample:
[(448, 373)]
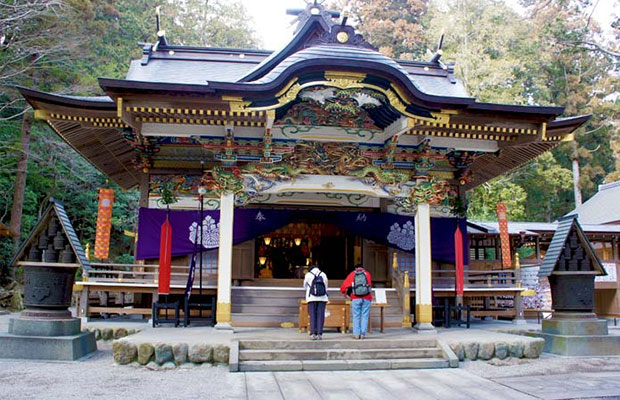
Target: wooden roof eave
[(513, 156), (70, 119)]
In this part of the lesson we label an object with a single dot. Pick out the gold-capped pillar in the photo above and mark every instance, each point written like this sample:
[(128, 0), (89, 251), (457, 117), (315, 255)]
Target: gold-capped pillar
[(224, 261), (423, 279)]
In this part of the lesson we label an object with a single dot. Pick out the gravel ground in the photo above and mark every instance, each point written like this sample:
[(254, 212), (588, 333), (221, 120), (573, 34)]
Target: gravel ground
[(98, 376)]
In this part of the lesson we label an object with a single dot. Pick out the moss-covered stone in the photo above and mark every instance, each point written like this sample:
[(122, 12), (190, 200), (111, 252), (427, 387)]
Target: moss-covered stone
[(533, 348), (145, 353), (107, 334), (501, 350), (200, 353), (221, 354), (471, 350), (120, 333), (486, 350), (124, 352), (515, 349), (163, 353), (180, 353)]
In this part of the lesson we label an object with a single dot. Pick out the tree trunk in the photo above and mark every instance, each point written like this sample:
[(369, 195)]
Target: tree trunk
[(20, 180), (576, 184)]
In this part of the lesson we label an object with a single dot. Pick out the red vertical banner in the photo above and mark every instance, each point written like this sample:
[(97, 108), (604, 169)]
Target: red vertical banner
[(458, 261), (104, 223), (165, 257), (504, 238)]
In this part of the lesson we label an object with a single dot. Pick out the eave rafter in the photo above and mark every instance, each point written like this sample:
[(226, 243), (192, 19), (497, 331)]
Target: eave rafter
[(221, 114), (96, 136)]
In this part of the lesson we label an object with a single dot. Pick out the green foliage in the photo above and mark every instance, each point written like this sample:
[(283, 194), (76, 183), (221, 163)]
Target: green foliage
[(64, 46), (540, 58), (484, 198)]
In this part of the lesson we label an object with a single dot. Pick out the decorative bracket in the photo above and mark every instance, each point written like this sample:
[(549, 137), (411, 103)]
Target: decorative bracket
[(268, 158), (229, 156)]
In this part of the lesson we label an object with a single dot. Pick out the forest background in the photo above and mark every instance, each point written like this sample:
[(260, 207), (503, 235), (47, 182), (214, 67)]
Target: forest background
[(543, 52)]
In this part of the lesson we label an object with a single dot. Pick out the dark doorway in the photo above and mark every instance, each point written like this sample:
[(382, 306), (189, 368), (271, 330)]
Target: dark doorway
[(287, 252)]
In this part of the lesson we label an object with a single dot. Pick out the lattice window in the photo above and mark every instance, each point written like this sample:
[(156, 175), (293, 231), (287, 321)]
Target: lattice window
[(209, 262), (406, 262)]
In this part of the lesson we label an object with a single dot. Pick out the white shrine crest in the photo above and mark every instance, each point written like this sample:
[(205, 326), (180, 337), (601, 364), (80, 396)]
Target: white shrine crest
[(210, 233), (402, 237)]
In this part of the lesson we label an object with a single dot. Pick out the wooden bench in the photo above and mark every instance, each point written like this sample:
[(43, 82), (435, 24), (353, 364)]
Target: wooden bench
[(337, 316)]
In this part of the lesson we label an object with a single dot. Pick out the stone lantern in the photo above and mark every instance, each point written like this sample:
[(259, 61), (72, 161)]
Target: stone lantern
[(46, 328), (571, 266)]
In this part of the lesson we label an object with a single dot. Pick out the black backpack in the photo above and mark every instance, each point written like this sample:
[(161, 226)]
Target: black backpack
[(317, 288), (360, 284)]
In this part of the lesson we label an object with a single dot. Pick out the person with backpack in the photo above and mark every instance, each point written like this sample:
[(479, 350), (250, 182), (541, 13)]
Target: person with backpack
[(358, 287), (315, 283)]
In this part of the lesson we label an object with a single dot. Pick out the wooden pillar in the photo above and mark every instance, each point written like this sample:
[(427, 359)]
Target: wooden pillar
[(144, 186), (83, 303), (423, 282), (224, 261), (518, 300)]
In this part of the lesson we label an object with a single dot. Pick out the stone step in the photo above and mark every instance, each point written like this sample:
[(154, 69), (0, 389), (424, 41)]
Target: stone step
[(290, 292), (339, 354), (264, 309), (345, 343), (288, 308), (274, 320), (339, 365), (264, 317)]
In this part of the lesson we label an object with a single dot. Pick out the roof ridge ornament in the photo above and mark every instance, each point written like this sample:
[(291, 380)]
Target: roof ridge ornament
[(161, 34), (314, 8)]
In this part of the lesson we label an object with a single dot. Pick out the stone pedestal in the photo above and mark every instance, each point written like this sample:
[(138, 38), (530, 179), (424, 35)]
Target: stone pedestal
[(578, 334), (46, 335)]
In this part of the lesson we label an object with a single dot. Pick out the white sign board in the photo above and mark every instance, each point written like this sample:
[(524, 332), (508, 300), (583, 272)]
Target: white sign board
[(380, 297)]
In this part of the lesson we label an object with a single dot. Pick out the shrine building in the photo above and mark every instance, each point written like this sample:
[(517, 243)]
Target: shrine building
[(325, 152)]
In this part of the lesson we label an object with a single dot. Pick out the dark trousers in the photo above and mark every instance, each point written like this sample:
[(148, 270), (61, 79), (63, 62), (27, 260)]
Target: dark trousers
[(316, 309)]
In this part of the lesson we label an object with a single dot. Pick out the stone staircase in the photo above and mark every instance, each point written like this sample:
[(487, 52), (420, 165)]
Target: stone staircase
[(271, 306), (340, 354)]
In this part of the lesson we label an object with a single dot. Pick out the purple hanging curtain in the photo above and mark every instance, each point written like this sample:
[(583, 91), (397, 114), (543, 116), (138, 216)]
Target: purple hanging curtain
[(392, 230)]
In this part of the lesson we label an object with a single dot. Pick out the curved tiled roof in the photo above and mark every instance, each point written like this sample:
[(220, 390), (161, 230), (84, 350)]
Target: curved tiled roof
[(338, 55)]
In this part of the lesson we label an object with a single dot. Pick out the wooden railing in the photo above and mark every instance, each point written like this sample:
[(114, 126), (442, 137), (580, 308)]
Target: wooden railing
[(141, 274), (401, 282), (476, 278)]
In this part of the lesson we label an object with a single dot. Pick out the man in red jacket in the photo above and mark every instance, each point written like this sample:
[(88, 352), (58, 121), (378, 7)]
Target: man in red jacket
[(358, 287)]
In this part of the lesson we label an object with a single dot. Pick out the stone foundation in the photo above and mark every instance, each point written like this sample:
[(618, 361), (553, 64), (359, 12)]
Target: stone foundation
[(487, 350), (164, 355), (111, 333)]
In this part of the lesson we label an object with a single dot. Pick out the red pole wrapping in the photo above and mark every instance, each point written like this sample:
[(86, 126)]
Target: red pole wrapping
[(458, 260), (504, 237), (165, 257)]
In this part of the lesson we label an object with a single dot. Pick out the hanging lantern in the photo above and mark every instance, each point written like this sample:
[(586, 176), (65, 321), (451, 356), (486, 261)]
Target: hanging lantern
[(267, 240), (297, 241), (262, 260)]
